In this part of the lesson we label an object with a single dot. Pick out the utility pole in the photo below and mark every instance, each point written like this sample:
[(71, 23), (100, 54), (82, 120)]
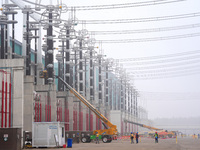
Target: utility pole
[(136, 104), (80, 78), (8, 9), (132, 100), (80, 67), (85, 61), (33, 26), (6, 41), (122, 103), (28, 46), (91, 68), (115, 94), (76, 69), (50, 19), (61, 66), (2, 23), (125, 92), (60, 74), (13, 35), (36, 58), (67, 55), (91, 82), (27, 37), (106, 87), (49, 54), (121, 95), (100, 84), (111, 92)]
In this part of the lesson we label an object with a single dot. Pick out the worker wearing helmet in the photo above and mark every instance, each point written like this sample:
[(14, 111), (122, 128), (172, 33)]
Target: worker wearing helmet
[(136, 137), (97, 138), (156, 137), (132, 136)]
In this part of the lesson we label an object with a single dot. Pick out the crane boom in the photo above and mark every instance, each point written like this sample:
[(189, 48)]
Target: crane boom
[(142, 125), (113, 128)]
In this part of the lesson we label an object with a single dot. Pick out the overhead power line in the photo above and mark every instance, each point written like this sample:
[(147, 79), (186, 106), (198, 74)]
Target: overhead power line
[(125, 5), (161, 96), (135, 20), (164, 75), (159, 56), (166, 60), (151, 39), (147, 30), (154, 74), (165, 70), (171, 93), (161, 66)]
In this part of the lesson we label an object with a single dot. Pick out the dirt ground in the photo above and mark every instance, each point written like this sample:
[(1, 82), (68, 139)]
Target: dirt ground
[(145, 144)]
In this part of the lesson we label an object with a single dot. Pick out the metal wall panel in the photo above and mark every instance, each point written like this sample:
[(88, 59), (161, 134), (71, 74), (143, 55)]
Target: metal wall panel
[(10, 138)]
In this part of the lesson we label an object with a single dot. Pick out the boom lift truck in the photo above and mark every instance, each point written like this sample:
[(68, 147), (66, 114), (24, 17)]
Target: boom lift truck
[(106, 134)]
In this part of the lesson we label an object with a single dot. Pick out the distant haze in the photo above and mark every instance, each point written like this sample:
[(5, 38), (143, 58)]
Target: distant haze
[(184, 125)]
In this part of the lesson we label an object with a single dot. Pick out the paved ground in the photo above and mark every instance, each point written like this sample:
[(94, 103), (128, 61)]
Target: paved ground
[(146, 144)]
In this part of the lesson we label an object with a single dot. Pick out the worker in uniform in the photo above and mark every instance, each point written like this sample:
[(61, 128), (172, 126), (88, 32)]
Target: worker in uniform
[(77, 137), (156, 137), (136, 137), (97, 138), (132, 136)]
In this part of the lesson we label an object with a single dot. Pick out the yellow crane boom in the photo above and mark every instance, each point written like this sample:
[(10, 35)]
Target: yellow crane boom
[(112, 130), (142, 125)]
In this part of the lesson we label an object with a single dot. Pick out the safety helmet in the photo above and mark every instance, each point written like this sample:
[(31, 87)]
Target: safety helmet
[(131, 132)]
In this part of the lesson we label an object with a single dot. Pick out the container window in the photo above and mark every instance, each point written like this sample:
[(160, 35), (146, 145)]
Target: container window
[(63, 131)]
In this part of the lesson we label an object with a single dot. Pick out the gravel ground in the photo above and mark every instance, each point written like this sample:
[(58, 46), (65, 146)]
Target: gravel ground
[(145, 144)]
